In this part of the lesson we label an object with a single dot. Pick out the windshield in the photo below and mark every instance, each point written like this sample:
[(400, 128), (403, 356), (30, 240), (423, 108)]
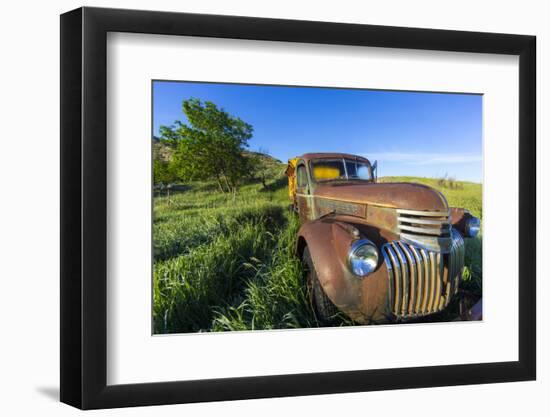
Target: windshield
[(340, 169)]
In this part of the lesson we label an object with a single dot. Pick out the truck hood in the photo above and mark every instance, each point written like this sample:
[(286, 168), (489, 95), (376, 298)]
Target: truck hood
[(396, 195)]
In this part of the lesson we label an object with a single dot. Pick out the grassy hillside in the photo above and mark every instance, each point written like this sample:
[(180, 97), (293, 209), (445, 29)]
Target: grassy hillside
[(226, 262)]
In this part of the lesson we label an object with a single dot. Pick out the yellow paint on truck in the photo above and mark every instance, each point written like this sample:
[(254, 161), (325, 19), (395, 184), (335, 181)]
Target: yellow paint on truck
[(291, 173)]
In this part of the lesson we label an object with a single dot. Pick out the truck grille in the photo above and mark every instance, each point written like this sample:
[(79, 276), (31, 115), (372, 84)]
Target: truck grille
[(422, 282), (428, 229)]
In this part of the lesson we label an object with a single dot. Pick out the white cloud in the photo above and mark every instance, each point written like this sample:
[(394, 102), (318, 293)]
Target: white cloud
[(423, 158)]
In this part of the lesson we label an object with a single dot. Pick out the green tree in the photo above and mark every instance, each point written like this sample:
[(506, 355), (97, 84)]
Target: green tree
[(163, 172), (258, 167), (210, 146), (168, 136)]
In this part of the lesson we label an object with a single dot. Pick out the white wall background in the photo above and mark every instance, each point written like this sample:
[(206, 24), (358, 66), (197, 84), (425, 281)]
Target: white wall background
[(29, 209)]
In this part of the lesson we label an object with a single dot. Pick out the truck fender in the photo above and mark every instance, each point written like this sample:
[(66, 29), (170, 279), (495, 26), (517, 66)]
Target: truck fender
[(328, 243), (459, 219)]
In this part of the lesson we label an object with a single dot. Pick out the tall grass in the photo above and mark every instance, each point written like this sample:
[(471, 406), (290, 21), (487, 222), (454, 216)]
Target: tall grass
[(188, 286), (276, 296), (227, 263)]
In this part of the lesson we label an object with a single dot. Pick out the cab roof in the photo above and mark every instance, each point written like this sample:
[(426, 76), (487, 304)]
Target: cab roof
[(331, 155)]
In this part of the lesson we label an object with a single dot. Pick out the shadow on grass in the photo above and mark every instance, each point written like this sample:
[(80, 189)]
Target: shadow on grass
[(276, 185)]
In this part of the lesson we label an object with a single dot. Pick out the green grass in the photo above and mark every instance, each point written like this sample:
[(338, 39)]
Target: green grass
[(225, 262)]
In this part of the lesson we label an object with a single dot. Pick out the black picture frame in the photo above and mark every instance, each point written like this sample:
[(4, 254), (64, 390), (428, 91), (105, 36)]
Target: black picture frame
[(84, 207)]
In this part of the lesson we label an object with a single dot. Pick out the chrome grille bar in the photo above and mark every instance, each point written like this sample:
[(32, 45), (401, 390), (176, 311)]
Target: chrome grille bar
[(421, 281), (404, 278), (428, 229), (437, 231)]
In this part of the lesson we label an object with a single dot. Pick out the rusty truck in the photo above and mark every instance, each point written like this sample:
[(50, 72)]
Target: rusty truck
[(376, 252)]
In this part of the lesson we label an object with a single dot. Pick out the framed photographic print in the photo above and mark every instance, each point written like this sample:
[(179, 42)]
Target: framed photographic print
[(258, 207)]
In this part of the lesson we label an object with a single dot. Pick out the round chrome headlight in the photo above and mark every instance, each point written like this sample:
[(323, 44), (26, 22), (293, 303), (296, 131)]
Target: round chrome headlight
[(363, 257), (472, 227)]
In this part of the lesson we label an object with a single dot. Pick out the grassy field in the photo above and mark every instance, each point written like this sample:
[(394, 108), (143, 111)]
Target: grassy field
[(225, 262)]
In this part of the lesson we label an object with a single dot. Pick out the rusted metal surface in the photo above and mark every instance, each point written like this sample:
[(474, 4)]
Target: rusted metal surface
[(382, 217), (324, 206), (393, 195), (417, 234), (328, 240), (332, 155), (459, 218)]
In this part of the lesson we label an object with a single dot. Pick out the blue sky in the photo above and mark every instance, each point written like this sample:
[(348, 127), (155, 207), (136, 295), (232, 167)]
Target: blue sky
[(409, 133)]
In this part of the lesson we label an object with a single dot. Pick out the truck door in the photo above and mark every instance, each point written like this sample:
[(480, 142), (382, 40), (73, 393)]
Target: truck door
[(303, 193)]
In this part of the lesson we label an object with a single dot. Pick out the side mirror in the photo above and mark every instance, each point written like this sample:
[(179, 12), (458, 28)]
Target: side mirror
[(375, 170)]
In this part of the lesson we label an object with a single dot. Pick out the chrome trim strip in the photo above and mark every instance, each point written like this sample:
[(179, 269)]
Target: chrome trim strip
[(440, 280), (423, 213), (420, 281), (431, 300), (427, 230), (413, 275), (389, 267), (451, 272), (397, 278), (405, 278), (430, 230), (419, 220), (428, 243), (428, 287)]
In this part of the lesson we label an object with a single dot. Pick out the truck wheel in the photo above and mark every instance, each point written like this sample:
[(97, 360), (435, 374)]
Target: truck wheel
[(323, 308)]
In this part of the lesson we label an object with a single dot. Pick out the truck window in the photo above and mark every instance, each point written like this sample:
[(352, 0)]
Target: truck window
[(301, 176), (357, 170), (340, 169), (325, 170)]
